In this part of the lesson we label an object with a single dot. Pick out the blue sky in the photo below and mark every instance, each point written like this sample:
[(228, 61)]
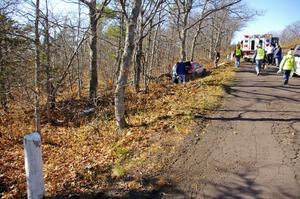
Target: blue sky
[(277, 15)]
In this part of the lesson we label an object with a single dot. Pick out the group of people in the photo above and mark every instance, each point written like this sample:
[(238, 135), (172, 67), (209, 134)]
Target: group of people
[(271, 55), (187, 70)]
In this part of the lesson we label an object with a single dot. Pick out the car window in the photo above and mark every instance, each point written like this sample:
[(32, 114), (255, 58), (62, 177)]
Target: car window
[(297, 51)]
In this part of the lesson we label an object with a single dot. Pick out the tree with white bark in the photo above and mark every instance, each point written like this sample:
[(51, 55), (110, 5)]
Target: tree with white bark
[(145, 24), (181, 12), (130, 17)]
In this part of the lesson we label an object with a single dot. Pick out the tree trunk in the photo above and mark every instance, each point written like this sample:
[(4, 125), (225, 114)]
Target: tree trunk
[(153, 53), (219, 31), (3, 81), (124, 69), (211, 44), (183, 33), (146, 65), (183, 43), (120, 48), (79, 68), (138, 66), (50, 87), (138, 57), (93, 51), (37, 68), (194, 42), (197, 32)]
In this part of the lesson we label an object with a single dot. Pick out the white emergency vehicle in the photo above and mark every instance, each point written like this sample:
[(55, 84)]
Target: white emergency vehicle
[(250, 42), (297, 59)]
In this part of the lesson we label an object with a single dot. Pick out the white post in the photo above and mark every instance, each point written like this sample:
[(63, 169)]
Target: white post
[(33, 166)]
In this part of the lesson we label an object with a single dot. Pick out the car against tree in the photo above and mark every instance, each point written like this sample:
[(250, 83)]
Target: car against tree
[(296, 54)]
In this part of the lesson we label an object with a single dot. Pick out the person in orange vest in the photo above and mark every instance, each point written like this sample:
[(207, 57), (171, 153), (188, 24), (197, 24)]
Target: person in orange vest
[(238, 54), (287, 65)]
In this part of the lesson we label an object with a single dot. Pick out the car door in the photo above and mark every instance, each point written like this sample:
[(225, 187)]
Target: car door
[(297, 59)]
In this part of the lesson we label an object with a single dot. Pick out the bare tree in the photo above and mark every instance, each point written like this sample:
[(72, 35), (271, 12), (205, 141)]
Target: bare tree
[(37, 68), (94, 15), (183, 9), (152, 54), (79, 64), (15, 52), (49, 80), (131, 23), (181, 15), (291, 34), (146, 16), (198, 31)]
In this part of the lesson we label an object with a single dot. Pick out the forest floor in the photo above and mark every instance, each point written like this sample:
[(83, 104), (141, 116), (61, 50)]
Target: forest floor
[(250, 147), (84, 154)]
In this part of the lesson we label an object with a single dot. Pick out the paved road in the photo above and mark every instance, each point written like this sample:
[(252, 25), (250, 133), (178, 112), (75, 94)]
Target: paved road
[(251, 147)]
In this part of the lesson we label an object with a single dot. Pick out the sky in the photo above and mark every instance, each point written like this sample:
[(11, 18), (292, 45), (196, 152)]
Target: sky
[(277, 15)]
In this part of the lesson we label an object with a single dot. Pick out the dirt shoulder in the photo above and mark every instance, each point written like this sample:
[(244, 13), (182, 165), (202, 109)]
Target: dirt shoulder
[(250, 147)]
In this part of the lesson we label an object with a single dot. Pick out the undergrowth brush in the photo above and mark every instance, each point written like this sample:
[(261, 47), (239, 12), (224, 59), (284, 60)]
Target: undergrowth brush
[(88, 154)]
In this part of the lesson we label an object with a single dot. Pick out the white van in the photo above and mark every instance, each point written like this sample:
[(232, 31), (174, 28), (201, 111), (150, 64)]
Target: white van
[(250, 42), (297, 59)]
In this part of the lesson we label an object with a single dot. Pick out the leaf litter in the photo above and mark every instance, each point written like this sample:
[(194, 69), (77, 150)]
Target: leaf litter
[(86, 155)]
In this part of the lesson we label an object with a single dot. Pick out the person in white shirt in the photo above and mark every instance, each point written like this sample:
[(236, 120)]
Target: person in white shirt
[(270, 51)]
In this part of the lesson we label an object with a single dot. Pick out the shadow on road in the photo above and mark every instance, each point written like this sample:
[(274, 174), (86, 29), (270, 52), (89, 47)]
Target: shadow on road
[(255, 97), (151, 189), (243, 186), (236, 92), (250, 119)]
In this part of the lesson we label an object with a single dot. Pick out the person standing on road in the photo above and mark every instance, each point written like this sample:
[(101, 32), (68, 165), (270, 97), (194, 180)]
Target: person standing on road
[(259, 58), (237, 54), (287, 65), (277, 55), (270, 52)]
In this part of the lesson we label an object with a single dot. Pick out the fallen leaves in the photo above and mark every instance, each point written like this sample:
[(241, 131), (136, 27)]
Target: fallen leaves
[(86, 154)]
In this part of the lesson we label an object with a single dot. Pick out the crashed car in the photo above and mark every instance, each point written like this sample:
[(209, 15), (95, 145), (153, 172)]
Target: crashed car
[(296, 54), (193, 70), (199, 69)]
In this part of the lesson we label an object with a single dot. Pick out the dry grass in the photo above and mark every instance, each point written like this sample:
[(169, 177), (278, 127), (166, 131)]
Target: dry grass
[(87, 154)]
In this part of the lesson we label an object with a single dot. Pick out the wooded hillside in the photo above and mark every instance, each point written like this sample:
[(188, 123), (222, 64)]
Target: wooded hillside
[(94, 78)]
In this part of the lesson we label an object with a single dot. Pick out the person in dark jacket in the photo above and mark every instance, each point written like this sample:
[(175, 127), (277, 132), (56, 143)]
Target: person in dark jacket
[(181, 71), (277, 55), (217, 58)]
